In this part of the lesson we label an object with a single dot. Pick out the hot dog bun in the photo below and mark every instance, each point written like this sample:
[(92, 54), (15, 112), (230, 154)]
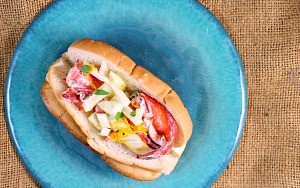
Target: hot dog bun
[(136, 78)]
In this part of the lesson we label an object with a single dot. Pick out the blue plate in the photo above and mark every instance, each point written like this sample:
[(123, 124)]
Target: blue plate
[(179, 41)]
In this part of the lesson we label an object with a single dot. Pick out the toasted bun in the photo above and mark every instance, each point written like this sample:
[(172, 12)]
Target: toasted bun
[(60, 113), (136, 78)]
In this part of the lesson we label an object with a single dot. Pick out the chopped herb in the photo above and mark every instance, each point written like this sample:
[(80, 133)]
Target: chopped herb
[(119, 115), (134, 94), (133, 113), (101, 92), (85, 69)]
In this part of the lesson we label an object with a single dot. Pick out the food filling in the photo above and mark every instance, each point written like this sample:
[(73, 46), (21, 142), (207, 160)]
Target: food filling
[(129, 117)]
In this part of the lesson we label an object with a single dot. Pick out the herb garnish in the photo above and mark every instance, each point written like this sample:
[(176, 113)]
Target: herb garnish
[(133, 113), (85, 69), (101, 92), (119, 115)]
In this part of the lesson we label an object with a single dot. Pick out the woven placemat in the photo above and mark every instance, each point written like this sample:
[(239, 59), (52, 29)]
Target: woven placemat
[(267, 35)]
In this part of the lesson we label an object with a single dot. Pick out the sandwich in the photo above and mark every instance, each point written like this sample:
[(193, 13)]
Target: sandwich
[(136, 122)]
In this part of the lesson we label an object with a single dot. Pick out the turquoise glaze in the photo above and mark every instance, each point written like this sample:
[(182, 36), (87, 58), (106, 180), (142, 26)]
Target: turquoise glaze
[(179, 41)]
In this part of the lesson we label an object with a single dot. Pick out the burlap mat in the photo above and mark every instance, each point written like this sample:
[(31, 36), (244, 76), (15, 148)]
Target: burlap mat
[(267, 35)]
